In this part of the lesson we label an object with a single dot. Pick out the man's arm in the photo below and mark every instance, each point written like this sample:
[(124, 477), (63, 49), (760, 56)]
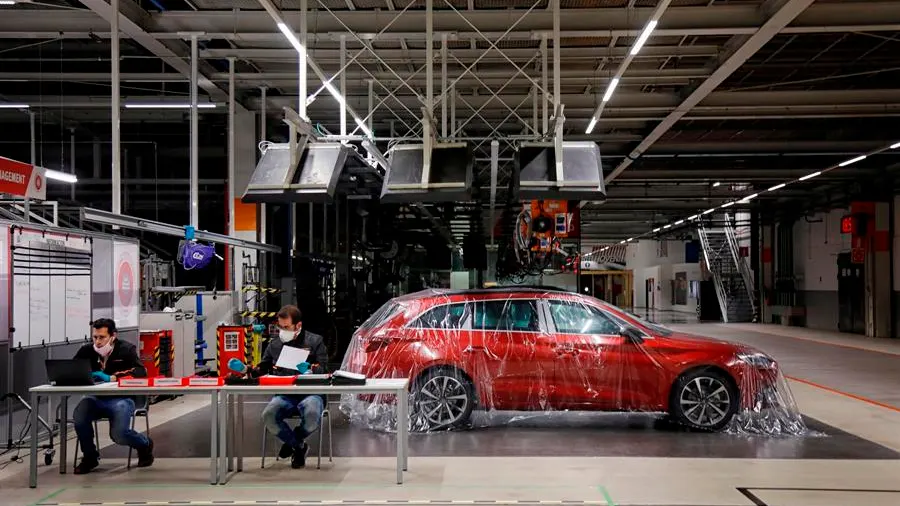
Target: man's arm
[(266, 363), (135, 366), (320, 354)]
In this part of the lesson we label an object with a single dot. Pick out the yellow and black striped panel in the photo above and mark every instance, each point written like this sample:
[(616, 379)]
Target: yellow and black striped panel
[(258, 314)]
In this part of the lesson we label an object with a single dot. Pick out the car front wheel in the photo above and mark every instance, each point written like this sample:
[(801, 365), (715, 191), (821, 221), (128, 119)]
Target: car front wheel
[(441, 399), (704, 399)]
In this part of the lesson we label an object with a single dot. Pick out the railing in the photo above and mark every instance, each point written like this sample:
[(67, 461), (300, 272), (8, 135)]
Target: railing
[(742, 267), (713, 263)]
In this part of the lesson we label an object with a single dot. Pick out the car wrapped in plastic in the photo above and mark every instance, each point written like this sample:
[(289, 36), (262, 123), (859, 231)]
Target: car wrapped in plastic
[(521, 349)]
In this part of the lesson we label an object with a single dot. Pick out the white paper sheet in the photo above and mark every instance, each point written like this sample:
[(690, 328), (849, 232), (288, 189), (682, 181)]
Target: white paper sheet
[(290, 357)]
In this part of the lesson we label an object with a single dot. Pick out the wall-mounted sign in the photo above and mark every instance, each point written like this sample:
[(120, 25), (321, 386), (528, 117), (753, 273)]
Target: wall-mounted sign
[(22, 179)]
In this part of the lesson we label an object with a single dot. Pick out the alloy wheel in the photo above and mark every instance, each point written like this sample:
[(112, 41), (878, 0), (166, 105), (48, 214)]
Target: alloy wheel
[(442, 401), (705, 401)]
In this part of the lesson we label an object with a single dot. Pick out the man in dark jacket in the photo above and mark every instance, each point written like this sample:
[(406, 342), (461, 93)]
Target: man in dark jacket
[(110, 359), (308, 407)]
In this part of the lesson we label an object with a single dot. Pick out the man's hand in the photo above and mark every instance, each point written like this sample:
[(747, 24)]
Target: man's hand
[(303, 367), (101, 376)]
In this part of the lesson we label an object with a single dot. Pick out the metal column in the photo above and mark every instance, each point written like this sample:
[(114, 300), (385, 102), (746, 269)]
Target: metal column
[(545, 121), (115, 110), (343, 83), (230, 270), (444, 85), (195, 136)]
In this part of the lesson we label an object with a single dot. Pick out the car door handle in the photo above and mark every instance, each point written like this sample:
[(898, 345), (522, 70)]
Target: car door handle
[(473, 349)]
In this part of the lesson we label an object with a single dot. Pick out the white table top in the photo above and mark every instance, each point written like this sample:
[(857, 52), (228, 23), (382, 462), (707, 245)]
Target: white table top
[(373, 385)]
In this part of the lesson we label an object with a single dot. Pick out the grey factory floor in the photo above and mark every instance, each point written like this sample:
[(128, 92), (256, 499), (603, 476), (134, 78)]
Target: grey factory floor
[(845, 386)]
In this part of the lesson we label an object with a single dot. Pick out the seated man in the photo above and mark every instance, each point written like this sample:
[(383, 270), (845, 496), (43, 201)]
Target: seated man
[(110, 359), (308, 407)]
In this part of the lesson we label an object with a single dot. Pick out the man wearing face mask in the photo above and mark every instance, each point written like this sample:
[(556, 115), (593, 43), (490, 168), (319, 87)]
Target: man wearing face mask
[(308, 407), (110, 360)]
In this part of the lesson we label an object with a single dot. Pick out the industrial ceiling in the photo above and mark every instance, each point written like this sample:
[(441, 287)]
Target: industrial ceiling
[(723, 99)]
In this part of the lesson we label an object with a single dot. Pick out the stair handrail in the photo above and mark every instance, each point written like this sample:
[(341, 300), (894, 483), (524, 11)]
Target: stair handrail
[(717, 278), (743, 269)]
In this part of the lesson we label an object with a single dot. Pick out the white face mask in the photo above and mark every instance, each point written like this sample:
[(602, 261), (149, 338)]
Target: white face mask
[(104, 350), (286, 336)]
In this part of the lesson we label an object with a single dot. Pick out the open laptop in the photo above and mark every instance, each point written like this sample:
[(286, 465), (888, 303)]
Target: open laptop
[(70, 372)]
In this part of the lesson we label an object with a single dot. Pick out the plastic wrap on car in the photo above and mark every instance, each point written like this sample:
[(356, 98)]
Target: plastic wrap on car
[(490, 357)]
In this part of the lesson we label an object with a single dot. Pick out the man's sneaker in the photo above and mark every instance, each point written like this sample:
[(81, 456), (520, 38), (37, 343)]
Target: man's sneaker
[(286, 451), (145, 455), (298, 459), (86, 465)]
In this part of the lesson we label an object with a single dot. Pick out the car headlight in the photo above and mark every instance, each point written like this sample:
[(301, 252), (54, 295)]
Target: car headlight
[(758, 360)]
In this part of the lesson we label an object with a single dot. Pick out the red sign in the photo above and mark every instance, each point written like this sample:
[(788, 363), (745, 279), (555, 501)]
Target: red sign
[(848, 225), (125, 283), (858, 255), (22, 179)]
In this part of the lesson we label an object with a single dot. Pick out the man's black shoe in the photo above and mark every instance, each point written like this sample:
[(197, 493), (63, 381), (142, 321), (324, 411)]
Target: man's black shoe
[(86, 465), (298, 459), (145, 455), (286, 451)]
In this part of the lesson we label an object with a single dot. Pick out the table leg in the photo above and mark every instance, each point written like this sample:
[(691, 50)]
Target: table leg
[(63, 433), (223, 438), (213, 438), (404, 399), (402, 424), (240, 423), (32, 478), (231, 433)]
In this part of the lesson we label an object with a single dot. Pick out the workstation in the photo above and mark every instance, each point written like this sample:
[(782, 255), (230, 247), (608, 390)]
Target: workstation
[(311, 252)]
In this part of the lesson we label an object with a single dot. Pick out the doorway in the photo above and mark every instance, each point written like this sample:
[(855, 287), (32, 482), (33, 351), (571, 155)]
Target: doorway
[(851, 295)]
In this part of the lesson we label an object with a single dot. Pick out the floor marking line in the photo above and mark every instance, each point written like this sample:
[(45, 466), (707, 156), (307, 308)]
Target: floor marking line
[(48, 497), (751, 497), (845, 394), (816, 489), (606, 496)]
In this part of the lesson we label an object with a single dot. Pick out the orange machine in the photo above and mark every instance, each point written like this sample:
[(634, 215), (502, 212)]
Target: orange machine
[(550, 219), (157, 352), (237, 341)]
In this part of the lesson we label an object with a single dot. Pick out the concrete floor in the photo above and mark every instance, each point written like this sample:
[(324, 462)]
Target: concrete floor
[(842, 384)]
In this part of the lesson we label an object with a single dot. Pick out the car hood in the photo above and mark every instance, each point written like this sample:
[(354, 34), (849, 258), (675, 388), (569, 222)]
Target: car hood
[(685, 341)]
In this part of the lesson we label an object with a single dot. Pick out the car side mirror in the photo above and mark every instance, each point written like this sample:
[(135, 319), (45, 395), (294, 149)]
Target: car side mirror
[(632, 334)]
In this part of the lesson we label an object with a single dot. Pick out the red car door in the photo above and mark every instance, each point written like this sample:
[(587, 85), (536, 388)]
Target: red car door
[(511, 355), (597, 368)]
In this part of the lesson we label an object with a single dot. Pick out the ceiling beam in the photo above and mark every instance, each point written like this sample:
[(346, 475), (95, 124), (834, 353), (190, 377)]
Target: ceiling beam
[(787, 12)]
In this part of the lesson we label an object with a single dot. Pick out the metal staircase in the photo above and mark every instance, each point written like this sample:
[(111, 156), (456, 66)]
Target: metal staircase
[(730, 273)]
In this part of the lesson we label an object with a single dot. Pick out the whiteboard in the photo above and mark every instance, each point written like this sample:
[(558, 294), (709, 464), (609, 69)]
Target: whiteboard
[(126, 284), (51, 292)]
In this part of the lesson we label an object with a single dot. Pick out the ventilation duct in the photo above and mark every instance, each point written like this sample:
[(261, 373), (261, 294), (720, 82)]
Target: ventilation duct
[(536, 176), (324, 170), (447, 179)]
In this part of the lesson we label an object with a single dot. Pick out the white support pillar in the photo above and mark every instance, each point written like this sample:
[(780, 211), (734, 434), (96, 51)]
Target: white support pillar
[(301, 64), (444, 85), (453, 125), (429, 56), (34, 161), (195, 136), (116, 110), (545, 121), (343, 82), (557, 84), (535, 109), (232, 261), (72, 161), (261, 235), (370, 122)]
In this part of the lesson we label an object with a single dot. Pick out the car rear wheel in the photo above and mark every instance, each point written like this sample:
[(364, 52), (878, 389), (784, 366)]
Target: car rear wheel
[(704, 399), (441, 399)]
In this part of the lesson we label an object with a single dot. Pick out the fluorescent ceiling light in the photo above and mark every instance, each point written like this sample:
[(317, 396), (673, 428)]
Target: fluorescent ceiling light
[(852, 160), (56, 175), (621, 242), (591, 126), (630, 239), (727, 204), (895, 146), (610, 89), (13, 106), (289, 34), (708, 211), (656, 229), (679, 222), (748, 198), (170, 105), (810, 176), (644, 36), (7, 2), (694, 217), (667, 226), (777, 187), (716, 184)]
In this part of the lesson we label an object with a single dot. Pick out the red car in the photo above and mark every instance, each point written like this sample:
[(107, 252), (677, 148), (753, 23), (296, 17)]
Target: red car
[(525, 349)]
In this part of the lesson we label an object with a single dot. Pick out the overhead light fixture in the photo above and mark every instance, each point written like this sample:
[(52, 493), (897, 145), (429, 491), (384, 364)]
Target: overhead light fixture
[(170, 105), (694, 217), (852, 161), (727, 204), (777, 187), (14, 106), (716, 184), (656, 230), (810, 176), (644, 36), (679, 222), (667, 226), (610, 89), (895, 146), (621, 242), (289, 35), (748, 198), (708, 211), (56, 175), (8, 2), (630, 239), (591, 126)]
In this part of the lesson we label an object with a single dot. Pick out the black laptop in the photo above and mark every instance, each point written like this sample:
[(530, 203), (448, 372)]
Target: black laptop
[(72, 372)]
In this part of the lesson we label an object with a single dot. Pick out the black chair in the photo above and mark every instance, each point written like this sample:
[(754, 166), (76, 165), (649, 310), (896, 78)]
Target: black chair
[(143, 411)]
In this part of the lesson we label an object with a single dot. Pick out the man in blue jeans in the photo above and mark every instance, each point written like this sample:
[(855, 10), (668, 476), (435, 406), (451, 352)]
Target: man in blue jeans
[(110, 360), (308, 407)]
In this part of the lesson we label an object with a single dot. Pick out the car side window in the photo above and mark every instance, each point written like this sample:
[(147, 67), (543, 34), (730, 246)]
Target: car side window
[(508, 315), (574, 318), (447, 316)]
